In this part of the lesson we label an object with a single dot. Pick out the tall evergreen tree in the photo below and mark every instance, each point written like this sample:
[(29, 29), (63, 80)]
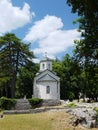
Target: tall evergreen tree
[(25, 80), (13, 54)]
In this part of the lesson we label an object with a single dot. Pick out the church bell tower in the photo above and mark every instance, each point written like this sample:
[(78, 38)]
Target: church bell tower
[(45, 63)]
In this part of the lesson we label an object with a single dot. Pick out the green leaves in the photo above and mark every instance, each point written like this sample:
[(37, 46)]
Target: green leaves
[(69, 71), (13, 54), (35, 102), (25, 80), (86, 50), (7, 103)]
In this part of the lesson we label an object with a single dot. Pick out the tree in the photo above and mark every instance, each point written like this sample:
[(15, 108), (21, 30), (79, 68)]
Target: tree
[(86, 50), (13, 54), (57, 67), (25, 80), (88, 25), (68, 70), (70, 78)]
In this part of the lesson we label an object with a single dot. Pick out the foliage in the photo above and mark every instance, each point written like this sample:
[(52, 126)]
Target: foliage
[(71, 104), (57, 67), (7, 103), (13, 54), (34, 102), (86, 49), (71, 96), (96, 109), (25, 80), (70, 81)]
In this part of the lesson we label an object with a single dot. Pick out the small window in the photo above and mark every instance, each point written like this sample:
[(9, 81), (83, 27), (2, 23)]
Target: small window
[(49, 66), (43, 66), (48, 89)]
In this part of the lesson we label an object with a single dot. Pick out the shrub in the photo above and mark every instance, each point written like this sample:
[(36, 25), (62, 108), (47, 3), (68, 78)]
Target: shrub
[(7, 103), (72, 105), (71, 96), (96, 109), (34, 102)]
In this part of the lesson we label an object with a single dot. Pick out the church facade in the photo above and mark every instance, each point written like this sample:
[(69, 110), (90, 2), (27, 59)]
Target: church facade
[(46, 82)]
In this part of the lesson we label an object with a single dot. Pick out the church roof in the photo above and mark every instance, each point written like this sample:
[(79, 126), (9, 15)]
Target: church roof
[(44, 71), (47, 72)]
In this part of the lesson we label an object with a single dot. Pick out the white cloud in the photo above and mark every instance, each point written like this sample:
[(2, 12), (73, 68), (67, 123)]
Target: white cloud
[(12, 17), (50, 36), (35, 60), (43, 27)]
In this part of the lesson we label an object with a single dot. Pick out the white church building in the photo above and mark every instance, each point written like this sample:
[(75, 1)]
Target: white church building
[(46, 82)]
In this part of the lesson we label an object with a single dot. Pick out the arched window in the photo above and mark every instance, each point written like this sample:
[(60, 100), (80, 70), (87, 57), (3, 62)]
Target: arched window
[(43, 66), (49, 66), (48, 89)]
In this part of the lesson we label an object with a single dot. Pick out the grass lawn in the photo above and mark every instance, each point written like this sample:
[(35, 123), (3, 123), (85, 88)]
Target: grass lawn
[(58, 120)]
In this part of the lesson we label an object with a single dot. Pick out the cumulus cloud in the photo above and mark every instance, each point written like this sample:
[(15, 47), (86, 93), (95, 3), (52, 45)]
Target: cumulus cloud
[(41, 29), (12, 17), (50, 36)]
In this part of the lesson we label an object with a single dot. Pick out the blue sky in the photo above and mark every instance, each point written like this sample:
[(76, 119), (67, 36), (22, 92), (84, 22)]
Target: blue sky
[(46, 24)]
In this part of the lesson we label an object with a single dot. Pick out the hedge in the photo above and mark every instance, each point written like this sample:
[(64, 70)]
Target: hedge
[(35, 102), (7, 103)]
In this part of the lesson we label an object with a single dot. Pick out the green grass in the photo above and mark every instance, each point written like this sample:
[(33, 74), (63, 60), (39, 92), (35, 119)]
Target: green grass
[(71, 105), (25, 122), (59, 120)]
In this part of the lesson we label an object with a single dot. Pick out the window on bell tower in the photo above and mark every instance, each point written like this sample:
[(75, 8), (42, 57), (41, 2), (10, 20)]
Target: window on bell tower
[(43, 66), (49, 66)]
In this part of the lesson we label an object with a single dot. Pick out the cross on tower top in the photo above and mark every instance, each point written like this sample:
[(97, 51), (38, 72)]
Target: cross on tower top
[(45, 54)]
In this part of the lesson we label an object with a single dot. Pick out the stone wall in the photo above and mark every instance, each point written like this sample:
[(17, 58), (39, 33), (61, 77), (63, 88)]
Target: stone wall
[(51, 102)]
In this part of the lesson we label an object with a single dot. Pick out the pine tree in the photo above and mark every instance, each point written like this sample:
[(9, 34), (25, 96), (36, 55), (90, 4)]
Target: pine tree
[(13, 55)]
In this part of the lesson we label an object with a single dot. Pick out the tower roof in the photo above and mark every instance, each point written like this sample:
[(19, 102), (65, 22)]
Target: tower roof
[(45, 58)]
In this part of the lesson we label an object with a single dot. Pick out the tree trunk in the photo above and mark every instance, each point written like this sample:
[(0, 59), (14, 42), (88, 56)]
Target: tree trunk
[(13, 86)]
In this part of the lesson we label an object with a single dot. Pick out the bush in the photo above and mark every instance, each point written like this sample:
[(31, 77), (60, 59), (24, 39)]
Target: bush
[(34, 102), (71, 96), (96, 109), (7, 103), (72, 105)]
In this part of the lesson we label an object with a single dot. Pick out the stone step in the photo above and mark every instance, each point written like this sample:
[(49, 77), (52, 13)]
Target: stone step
[(7, 112), (22, 104), (22, 100)]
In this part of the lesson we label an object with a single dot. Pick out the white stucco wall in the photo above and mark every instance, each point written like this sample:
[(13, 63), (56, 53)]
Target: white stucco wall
[(40, 90), (47, 65)]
